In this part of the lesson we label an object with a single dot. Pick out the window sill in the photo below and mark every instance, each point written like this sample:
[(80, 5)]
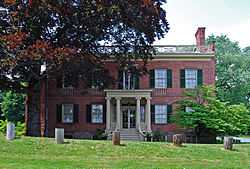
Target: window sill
[(97, 123)]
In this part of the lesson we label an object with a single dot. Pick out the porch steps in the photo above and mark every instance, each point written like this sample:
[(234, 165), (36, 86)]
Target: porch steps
[(129, 135)]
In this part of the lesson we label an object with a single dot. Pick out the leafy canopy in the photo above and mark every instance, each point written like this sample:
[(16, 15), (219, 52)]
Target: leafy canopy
[(68, 37), (232, 70), (207, 111), (12, 106)]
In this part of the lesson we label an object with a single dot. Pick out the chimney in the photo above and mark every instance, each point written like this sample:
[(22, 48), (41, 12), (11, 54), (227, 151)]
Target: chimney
[(200, 37)]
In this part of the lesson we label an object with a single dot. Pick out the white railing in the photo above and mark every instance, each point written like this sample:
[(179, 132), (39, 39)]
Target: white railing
[(163, 49)]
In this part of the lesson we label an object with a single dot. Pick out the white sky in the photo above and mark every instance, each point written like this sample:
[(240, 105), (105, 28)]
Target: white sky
[(230, 17)]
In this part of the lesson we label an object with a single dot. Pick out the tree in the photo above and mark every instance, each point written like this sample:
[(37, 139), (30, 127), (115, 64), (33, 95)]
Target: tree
[(55, 33), (74, 38), (12, 106), (232, 69), (1, 99), (210, 113), (246, 51)]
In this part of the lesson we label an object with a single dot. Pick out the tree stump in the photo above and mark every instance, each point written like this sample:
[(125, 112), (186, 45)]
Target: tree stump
[(178, 139), (228, 143), (59, 135), (116, 138), (10, 133)]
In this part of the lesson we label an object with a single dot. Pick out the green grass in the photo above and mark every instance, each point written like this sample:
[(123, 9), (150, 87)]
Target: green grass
[(43, 153)]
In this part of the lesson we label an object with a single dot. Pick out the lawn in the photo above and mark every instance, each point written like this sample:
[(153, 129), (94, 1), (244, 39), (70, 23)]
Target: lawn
[(37, 153)]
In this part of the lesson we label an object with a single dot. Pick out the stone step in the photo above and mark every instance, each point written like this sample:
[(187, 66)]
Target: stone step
[(129, 134)]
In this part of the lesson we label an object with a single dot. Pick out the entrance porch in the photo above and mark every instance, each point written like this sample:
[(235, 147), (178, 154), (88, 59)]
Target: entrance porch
[(128, 110)]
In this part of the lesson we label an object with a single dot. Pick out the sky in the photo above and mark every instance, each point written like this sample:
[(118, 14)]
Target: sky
[(229, 17)]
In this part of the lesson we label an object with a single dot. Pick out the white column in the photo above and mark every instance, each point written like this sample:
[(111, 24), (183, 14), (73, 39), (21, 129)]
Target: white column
[(118, 113), (138, 112), (108, 119), (148, 114)]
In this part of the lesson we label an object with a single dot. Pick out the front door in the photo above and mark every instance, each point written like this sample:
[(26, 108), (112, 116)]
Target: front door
[(129, 118)]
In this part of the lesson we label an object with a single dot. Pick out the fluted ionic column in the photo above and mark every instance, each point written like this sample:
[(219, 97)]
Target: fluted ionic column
[(118, 113), (148, 114), (108, 116), (138, 112)]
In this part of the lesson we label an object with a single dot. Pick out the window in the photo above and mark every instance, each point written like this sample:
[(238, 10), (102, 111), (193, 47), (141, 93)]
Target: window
[(188, 109), (190, 78), (160, 114), (69, 81), (67, 113), (97, 113), (129, 80), (160, 78)]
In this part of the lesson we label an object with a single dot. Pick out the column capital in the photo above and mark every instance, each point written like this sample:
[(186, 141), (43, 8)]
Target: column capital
[(118, 98), (108, 98), (138, 97), (148, 98)]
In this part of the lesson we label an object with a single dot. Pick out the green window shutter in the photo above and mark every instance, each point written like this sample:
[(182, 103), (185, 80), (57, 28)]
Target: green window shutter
[(169, 78), (137, 81), (76, 113), (152, 78), (182, 78), (88, 113), (104, 114), (153, 114), (199, 77), (120, 79), (59, 113), (169, 113)]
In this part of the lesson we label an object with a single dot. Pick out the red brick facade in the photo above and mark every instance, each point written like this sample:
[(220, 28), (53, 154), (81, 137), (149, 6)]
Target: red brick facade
[(83, 96)]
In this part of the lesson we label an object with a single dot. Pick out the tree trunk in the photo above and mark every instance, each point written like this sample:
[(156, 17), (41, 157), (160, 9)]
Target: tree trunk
[(59, 135), (178, 139), (32, 111), (228, 143), (116, 138)]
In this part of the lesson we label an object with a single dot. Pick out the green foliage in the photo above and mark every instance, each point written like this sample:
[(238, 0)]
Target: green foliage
[(232, 70), (246, 50), (1, 99), (158, 136), (12, 106), (218, 116), (19, 128), (3, 126), (100, 135)]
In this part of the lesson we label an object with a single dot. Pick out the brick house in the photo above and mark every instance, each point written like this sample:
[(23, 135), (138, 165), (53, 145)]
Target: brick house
[(134, 105)]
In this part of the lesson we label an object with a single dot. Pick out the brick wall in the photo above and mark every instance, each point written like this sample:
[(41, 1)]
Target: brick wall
[(169, 96)]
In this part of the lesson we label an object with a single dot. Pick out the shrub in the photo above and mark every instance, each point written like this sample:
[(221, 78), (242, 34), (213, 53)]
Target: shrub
[(3, 126), (12, 106), (158, 136), (19, 128), (148, 136), (100, 135)]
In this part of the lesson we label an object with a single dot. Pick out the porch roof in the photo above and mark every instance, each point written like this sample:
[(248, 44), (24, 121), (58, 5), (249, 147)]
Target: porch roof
[(128, 93)]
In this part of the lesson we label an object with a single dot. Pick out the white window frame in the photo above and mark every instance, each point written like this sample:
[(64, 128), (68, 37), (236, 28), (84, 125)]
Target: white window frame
[(163, 115), (191, 78), (72, 113), (97, 117), (160, 82), (128, 81)]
